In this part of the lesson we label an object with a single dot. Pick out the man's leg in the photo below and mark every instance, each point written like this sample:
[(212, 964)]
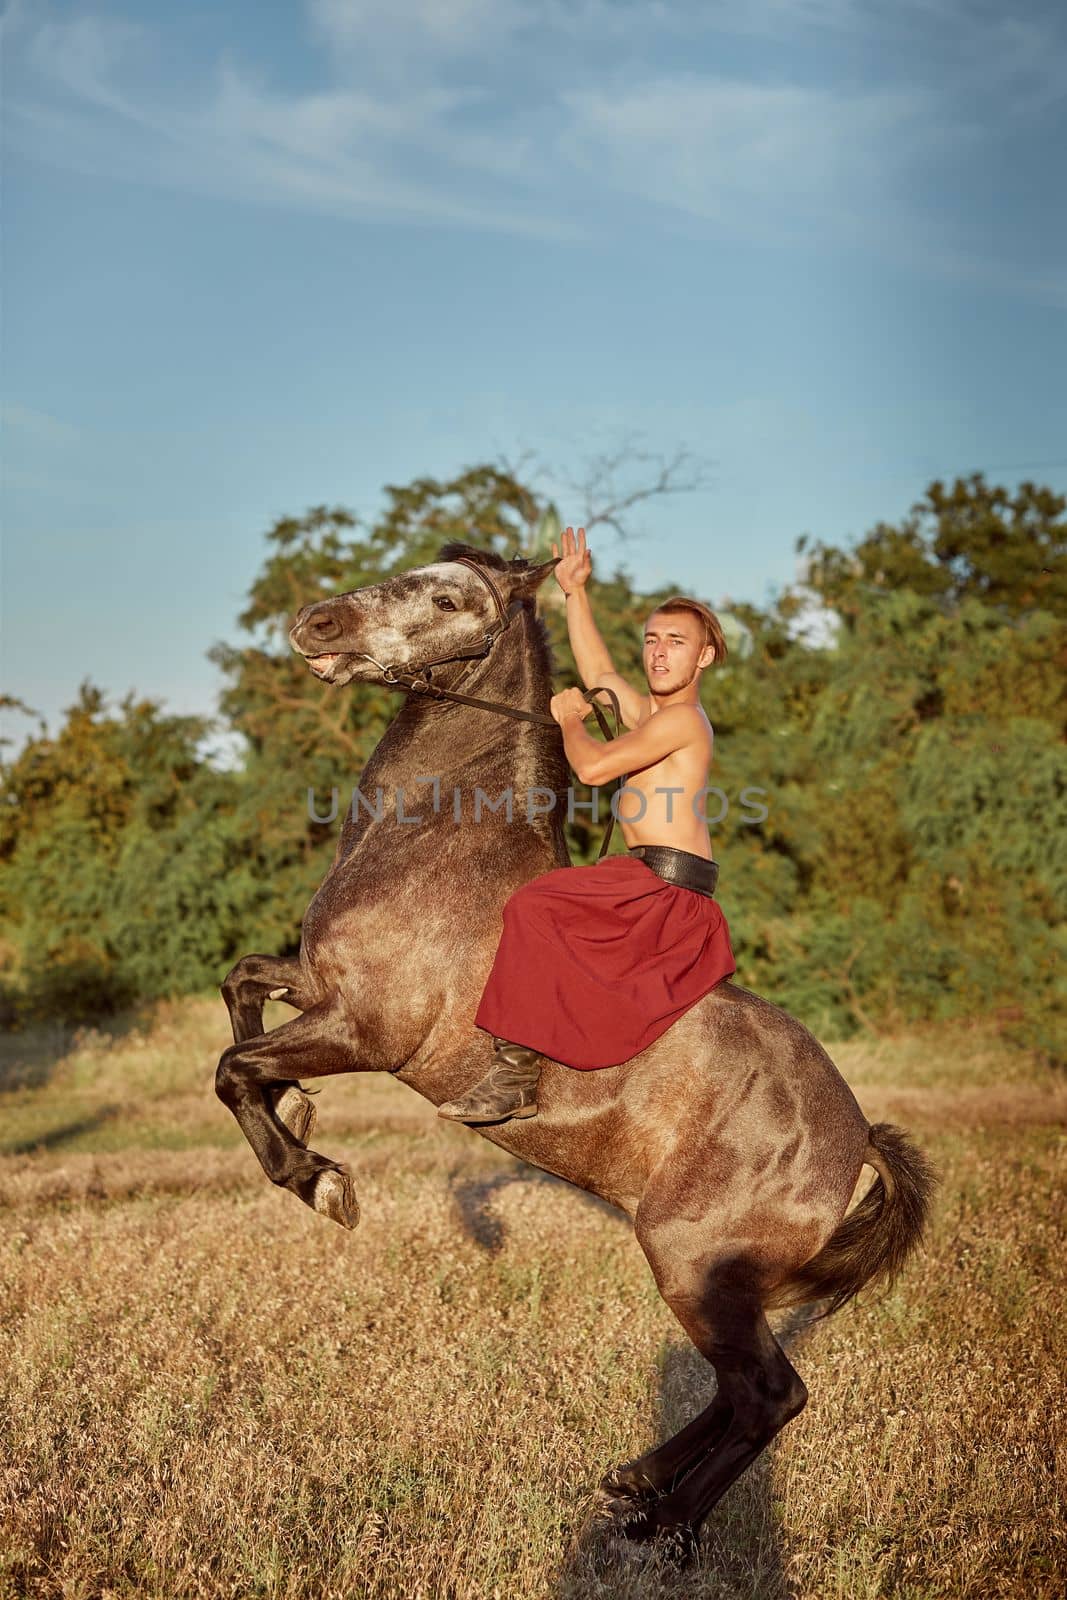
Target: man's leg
[(509, 1088), (529, 945)]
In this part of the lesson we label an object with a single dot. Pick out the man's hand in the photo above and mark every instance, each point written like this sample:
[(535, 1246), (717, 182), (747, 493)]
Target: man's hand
[(575, 562), (570, 703)]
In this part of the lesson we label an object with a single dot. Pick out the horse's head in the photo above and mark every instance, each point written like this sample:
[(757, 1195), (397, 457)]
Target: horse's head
[(451, 610)]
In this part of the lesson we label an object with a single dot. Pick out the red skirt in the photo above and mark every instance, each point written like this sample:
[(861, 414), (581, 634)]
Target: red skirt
[(594, 963)]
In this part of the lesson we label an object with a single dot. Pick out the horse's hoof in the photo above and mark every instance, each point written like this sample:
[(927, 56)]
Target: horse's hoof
[(676, 1544), (609, 1513), (296, 1111), (634, 1514), (624, 1516), (335, 1197), (619, 1486), (621, 1516)]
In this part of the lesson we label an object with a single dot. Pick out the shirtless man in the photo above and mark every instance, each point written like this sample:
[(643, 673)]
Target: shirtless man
[(596, 962), (667, 751)]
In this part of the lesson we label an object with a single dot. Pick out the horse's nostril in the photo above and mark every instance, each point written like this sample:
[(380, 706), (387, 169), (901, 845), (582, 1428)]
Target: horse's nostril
[(326, 628)]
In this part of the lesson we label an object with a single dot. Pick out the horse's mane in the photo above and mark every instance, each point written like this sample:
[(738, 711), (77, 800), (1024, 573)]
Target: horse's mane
[(540, 644), (454, 548)]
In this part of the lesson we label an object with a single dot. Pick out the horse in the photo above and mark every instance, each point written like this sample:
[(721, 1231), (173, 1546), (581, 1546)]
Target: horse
[(732, 1142)]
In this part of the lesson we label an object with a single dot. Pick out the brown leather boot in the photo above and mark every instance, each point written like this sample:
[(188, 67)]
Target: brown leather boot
[(509, 1088)]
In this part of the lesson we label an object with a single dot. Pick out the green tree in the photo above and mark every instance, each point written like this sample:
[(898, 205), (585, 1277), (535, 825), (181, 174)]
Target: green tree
[(117, 878), (975, 540), (911, 863)]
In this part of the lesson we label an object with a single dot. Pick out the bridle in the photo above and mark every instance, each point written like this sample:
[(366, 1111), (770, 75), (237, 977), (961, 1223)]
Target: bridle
[(407, 678), (416, 681)]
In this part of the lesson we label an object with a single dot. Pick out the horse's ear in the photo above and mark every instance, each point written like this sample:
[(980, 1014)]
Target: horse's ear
[(527, 583)]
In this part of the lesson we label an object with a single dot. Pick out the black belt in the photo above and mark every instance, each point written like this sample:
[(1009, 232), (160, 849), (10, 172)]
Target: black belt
[(679, 866)]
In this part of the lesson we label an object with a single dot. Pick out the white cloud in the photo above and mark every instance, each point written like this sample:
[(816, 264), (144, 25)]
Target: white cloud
[(709, 145), (528, 116), (344, 151)]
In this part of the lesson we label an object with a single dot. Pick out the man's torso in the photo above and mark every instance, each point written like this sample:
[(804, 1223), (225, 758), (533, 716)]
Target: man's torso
[(671, 818)]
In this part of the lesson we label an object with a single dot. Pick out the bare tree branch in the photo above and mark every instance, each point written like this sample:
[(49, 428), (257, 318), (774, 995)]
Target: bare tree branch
[(615, 481), (607, 497)]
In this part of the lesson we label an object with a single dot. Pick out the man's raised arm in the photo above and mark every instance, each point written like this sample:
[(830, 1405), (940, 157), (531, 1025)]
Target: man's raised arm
[(591, 654)]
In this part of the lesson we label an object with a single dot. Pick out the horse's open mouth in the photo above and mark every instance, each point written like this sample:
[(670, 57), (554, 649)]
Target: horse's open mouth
[(323, 665)]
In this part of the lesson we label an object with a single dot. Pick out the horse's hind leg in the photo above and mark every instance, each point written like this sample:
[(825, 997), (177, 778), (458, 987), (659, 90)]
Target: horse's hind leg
[(659, 1471), (249, 1076), (758, 1393)]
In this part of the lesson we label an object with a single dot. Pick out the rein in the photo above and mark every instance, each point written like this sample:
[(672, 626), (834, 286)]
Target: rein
[(421, 686)]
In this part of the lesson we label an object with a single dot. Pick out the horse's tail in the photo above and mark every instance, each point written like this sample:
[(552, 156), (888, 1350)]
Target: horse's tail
[(877, 1236)]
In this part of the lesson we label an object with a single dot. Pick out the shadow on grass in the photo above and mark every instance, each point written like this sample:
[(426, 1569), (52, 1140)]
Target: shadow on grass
[(56, 1138), (473, 1199), (29, 1056)]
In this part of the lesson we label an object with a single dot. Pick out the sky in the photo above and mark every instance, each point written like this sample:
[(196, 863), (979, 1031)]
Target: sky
[(261, 258)]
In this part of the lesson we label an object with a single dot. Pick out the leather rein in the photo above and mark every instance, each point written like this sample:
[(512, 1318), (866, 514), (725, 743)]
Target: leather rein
[(418, 684)]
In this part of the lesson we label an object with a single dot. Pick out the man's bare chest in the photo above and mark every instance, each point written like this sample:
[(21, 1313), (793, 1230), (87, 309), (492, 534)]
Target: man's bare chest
[(684, 773)]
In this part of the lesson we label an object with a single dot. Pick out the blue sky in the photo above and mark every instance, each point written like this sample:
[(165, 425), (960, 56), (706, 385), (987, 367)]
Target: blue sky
[(259, 258)]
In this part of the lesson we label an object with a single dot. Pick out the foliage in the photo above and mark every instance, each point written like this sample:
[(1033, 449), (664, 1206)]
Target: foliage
[(913, 862), (973, 541), (119, 860)]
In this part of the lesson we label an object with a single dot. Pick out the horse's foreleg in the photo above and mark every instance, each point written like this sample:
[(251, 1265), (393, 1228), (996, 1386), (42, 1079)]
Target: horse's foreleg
[(249, 1077), (254, 980)]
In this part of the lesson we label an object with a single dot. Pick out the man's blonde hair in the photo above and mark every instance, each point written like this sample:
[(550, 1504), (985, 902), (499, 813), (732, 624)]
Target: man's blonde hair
[(713, 634)]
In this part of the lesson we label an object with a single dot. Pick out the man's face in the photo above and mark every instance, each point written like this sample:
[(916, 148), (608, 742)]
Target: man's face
[(674, 650)]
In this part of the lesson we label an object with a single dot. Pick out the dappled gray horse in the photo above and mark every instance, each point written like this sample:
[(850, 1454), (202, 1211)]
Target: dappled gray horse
[(732, 1142)]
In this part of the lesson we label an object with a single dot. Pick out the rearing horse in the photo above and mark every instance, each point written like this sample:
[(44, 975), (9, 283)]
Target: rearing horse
[(732, 1142)]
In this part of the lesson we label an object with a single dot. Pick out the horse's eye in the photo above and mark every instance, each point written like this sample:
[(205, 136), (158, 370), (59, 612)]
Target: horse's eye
[(443, 603)]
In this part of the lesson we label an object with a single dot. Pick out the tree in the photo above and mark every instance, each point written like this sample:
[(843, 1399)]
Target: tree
[(912, 862), (118, 871), (973, 541)]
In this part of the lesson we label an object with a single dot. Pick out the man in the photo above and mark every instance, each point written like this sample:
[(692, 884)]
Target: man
[(596, 962)]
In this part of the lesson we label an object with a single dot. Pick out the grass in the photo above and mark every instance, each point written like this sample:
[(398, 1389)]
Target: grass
[(209, 1391)]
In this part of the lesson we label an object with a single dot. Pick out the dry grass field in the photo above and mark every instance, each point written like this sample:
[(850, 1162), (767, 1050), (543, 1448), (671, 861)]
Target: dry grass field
[(209, 1391)]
